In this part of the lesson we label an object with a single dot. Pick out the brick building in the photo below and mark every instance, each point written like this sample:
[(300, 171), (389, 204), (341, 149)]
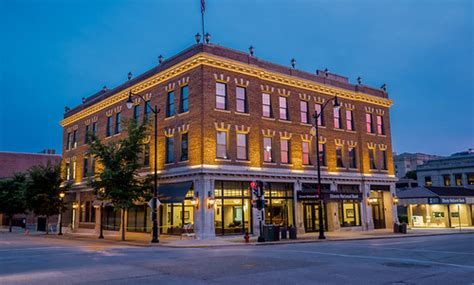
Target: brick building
[(229, 118)]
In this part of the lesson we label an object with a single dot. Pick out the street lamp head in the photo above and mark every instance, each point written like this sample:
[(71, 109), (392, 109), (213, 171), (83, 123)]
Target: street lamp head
[(293, 62), (129, 75), (160, 59), (251, 50), (129, 100), (337, 104), (197, 37), (62, 195), (207, 37)]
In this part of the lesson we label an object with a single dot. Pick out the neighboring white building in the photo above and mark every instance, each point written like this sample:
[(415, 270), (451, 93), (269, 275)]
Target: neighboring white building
[(406, 162), (455, 170)]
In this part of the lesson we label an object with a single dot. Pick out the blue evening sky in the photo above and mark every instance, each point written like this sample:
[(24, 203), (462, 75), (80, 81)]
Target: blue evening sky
[(55, 52)]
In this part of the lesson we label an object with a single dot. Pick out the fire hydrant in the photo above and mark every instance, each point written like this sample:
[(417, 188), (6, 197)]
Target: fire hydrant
[(247, 237)]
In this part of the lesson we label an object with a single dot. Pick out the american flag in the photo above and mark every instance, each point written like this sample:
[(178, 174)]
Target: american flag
[(203, 6)]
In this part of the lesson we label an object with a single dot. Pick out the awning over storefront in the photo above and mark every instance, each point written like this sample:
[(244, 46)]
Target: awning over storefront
[(436, 195), (173, 192)]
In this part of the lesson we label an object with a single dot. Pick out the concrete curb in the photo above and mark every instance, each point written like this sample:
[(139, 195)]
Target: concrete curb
[(302, 241)]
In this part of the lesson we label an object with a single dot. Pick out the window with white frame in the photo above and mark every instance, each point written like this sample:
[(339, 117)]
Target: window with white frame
[(285, 151), (266, 105), (241, 96), (267, 149), (306, 153), (337, 118), (350, 120), (221, 149), (242, 151), (221, 96), (283, 108), (304, 114)]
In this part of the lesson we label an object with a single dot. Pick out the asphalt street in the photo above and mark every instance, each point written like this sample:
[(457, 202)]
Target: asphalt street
[(447, 259)]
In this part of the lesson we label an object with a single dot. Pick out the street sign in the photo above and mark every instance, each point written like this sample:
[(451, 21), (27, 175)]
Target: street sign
[(150, 203)]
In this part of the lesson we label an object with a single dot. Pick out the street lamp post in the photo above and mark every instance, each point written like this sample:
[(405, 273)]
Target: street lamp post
[(154, 214), (61, 198), (316, 116)]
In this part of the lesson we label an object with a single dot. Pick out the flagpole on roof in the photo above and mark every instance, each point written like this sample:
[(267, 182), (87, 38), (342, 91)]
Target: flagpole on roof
[(203, 9)]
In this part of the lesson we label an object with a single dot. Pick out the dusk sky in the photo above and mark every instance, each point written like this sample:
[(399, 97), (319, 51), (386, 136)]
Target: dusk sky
[(53, 53)]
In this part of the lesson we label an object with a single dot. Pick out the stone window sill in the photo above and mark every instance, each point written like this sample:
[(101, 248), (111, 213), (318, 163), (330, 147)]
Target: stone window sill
[(269, 119), (221, 110), (242, 114)]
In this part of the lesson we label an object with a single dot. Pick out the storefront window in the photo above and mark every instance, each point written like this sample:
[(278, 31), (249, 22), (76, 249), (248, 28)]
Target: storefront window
[(87, 214), (279, 210), (429, 216), (111, 219), (349, 213), (139, 219), (232, 208), (174, 216)]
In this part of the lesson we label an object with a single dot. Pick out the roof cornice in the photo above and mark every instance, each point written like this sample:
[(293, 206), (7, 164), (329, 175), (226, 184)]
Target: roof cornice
[(211, 60)]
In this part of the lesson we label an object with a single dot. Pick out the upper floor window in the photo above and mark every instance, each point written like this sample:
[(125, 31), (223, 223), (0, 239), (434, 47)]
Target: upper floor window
[(85, 169), (447, 180), (304, 114), (380, 126), (470, 179), (68, 171), (322, 154), (94, 129), (306, 152), (372, 159), (384, 160), (92, 166), (184, 147), (136, 113), (184, 105), (283, 108), (69, 141), (74, 139), (242, 150), (108, 130), (458, 179), (349, 120), (284, 151), (368, 123), (241, 99), (352, 158), (146, 155), (266, 105), (73, 171), (169, 149), (428, 181), (267, 149), (118, 123), (147, 111), (337, 118), (339, 160), (318, 108), (221, 150), (87, 134), (221, 96), (170, 104)]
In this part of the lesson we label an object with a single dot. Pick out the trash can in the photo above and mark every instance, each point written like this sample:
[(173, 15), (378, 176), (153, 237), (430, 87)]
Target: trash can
[(284, 233), (396, 227), (276, 233), (292, 232), (269, 232), (403, 228)]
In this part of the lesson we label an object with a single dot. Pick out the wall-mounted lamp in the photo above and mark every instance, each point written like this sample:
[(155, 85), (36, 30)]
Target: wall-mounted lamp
[(197, 37), (62, 195), (210, 200), (372, 201), (395, 200), (74, 205), (195, 201)]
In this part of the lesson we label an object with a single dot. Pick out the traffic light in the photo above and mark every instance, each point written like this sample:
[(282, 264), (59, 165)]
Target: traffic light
[(253, 187), (260, 203)]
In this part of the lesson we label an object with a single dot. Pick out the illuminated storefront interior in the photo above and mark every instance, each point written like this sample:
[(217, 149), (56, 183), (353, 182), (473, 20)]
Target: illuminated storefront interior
[(232, 208)]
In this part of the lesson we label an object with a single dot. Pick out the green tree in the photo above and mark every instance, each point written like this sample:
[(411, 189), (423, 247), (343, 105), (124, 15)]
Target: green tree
[(12, 196), (118, 180), (43, 186)]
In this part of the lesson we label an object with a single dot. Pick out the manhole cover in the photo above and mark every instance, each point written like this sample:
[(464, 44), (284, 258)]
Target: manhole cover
[(406, 265)]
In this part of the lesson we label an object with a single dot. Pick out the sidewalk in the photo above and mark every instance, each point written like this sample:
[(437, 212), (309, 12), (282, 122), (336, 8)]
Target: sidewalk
[(186, 242)]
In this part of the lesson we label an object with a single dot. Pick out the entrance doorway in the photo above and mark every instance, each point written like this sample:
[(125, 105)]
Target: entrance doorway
[(311, 217), (378, 215)]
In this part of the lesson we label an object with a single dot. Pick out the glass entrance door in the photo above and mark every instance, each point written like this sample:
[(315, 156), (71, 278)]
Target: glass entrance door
[(311, 217)]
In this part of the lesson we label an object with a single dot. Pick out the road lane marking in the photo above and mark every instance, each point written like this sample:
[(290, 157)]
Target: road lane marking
[(375, 258)]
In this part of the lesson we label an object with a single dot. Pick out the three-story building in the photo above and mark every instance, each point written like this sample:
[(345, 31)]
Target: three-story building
[(229, 118)]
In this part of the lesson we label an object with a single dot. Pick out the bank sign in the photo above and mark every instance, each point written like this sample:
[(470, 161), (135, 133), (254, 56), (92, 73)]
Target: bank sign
[(305, 196), (446, 200)]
